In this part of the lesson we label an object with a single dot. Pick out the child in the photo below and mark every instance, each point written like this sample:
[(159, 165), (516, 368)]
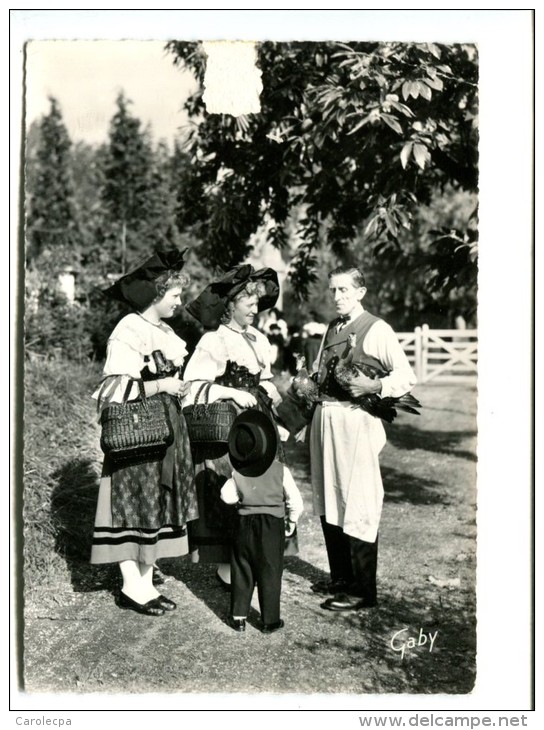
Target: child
[(269, 505)]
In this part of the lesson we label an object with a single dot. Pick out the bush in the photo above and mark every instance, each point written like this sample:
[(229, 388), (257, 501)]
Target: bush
[(79, 331)]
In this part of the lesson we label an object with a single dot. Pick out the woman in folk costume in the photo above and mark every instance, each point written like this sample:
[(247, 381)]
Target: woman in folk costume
[(144, 505), (235, 357)]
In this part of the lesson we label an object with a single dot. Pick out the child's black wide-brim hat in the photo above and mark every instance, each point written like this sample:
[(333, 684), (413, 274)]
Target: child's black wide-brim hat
[(253, 443)]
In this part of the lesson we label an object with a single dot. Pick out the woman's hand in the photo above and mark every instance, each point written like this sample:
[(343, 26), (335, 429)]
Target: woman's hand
[(242, 398), (174, 386), (273, 394)]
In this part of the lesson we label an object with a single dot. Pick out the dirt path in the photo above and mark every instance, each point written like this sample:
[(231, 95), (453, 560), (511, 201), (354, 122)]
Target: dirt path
[(77, 640)]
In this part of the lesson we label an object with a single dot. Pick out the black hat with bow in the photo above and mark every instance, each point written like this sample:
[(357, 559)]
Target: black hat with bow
[(138, 287), (211, 304)]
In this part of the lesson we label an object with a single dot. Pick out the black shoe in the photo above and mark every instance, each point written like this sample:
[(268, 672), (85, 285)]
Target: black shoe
[(344, 602), (151, 608), (238, 624), (166, 603), (270, 628), (330, 586), (224, 585)]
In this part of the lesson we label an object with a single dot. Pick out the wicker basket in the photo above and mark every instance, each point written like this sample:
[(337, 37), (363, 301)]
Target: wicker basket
[(209, 422), (136, 429)]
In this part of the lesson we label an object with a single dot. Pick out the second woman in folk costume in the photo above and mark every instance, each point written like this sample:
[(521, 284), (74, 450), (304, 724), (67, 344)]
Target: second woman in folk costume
[(235, 357)]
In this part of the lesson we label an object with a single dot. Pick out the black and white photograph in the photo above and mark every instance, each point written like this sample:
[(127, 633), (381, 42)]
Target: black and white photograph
[(259, 452)]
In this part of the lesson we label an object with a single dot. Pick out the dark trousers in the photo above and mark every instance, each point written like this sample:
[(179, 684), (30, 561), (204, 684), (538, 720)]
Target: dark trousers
[(257, 557), (352, 560)]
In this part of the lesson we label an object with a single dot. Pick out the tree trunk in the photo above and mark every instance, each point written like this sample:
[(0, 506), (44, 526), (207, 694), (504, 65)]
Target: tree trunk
[(123, 247)]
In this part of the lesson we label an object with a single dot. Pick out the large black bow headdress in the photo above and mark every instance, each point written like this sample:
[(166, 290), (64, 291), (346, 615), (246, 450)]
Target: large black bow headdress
[(210, 305), (138, 288)]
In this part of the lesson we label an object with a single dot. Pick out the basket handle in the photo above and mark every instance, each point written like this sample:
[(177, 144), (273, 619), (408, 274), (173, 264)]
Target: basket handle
[(206, 394), (201, 408), (141, 390)]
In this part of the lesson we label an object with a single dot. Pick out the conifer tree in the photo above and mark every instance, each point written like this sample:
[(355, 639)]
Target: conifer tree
[(128, 186), (51, 224)]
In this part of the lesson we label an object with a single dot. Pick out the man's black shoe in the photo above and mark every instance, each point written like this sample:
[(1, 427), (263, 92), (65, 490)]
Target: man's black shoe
[(343, 602), (330, 586), (238, 624), (270, 628)]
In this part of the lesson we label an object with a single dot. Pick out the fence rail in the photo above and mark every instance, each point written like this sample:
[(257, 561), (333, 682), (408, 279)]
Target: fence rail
[(444, 355)]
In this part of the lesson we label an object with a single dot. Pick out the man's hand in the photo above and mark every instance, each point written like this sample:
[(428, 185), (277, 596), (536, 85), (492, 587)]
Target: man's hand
[(361, 385)]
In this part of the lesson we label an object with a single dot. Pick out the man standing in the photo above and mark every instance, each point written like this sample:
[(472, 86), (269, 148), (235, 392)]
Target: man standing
[(345, 443)]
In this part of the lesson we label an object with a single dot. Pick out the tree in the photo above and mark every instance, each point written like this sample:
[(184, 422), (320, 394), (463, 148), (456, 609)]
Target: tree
[(161, 202), (404, 281), (127, 183), (88, 163), (356, 135), (50, 221)]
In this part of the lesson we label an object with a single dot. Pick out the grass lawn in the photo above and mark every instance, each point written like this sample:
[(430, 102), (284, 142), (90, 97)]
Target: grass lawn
[(77, 640)]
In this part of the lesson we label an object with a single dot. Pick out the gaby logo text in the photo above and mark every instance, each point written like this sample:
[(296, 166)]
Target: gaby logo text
[(401, 642)]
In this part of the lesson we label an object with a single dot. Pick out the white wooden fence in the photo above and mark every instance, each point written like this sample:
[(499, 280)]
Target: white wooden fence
[(444, 355)]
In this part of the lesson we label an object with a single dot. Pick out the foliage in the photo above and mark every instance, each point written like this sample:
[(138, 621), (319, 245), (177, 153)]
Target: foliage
[(53, 325), (324, 167), (126, 183), (358, 135), (50, 216), (400, 281), (428, 277)]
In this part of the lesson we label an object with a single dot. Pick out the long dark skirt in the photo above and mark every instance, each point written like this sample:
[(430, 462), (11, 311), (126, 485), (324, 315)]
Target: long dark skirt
[(140, 518)]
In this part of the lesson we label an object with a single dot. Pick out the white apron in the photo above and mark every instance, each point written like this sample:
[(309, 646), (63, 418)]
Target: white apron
[(345, 443)]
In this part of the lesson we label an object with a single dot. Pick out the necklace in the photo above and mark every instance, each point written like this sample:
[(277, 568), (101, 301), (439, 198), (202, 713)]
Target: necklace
[(250, 339), (159, 324), (244, 333)]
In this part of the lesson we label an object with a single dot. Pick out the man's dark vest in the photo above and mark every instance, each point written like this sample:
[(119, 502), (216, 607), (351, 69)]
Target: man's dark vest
[(336, 346)]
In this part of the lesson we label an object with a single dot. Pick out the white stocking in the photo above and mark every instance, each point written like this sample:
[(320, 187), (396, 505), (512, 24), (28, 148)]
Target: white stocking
[(146, 571)]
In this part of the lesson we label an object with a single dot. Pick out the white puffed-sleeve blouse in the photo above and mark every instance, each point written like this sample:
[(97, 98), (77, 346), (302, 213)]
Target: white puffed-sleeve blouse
[(214, 349), (133, 339)]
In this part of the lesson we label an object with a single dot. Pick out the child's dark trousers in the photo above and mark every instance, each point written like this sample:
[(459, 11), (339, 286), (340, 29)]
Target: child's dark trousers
[(257, 557)]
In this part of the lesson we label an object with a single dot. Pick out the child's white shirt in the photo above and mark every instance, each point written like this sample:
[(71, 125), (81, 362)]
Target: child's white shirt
[(294, 505)]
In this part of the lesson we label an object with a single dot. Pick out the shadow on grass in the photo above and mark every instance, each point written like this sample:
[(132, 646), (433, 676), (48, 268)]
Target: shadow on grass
[(374, 638), (440, 442), (201, 581), (402, 487), (73, 507), (293, 564)]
